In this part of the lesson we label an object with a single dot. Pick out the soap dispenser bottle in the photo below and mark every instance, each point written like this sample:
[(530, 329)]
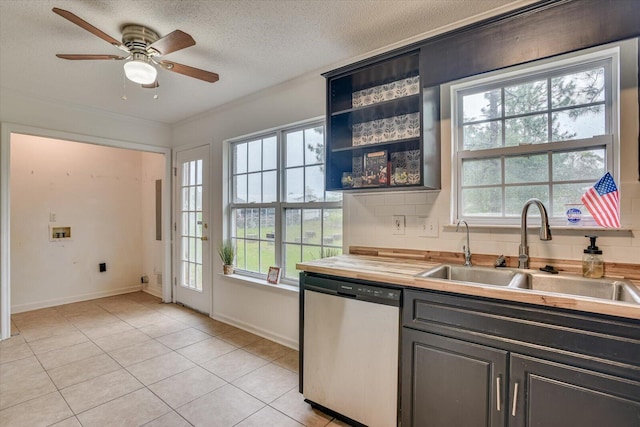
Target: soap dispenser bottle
[(592, 262)]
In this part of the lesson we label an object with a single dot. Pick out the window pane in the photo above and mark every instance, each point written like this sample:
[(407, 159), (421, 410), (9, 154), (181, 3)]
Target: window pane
[(240, 189), (481, 201), (314, 184), (482, 136), (240, 158), (267, 256), (293, 225), (295, 149), (515, 198), (267, 223), (526, 169), (481, 172), (333, 196), (253, 223), (332, 227), (192, 173), (293, 255), (185, 198), (579, 123), (309, 253), (314, 145), (294, 185), (269, 153), (241, 259), (239, 216), (199, 172), (564, 194), (311, 226), (269, 187), (198, 197), (526, 130), (253, 255), (578, 88), (255, 156), (255, 188), (525, 98), (578, 165), (482, 106)]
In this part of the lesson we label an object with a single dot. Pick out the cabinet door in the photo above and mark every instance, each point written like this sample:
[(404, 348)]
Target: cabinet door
[(448, 382), (549, 394)]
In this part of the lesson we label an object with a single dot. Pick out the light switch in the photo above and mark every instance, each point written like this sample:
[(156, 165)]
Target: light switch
[(52, 217), (398, 224)]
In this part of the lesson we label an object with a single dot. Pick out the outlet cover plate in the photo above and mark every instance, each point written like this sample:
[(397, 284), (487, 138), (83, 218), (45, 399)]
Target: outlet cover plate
[(427, 226)]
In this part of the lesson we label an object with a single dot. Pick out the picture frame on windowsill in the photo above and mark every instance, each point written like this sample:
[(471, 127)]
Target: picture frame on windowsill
[(273, 276)]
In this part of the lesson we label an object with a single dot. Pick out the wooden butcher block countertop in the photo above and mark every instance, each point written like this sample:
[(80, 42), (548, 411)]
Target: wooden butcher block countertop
[(402, 272)]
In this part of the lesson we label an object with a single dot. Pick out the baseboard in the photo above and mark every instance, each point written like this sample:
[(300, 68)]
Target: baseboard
[(280, 339), (154, 292), (76, 298)]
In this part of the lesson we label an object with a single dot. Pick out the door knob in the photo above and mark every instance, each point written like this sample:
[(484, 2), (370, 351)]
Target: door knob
[(204, 238)]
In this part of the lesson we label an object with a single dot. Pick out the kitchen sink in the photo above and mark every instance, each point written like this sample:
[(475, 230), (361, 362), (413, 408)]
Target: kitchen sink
[(477, 275), (609, 289), (533, 280)]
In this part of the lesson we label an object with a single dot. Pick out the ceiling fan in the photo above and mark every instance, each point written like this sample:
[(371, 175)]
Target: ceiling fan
[(143, 48)]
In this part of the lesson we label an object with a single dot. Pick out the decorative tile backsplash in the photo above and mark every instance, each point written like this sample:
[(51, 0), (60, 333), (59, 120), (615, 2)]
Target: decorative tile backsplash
[(386, 92), (385, 130)]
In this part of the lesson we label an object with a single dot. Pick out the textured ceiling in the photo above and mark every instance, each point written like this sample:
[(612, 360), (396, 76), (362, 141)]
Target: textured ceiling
[(251, 44)]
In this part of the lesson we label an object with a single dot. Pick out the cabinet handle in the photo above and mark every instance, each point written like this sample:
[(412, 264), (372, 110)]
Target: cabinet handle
[(515, 399), (498, 393)]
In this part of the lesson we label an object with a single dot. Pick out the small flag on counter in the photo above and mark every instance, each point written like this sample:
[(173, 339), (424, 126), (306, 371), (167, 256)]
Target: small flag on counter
[(603, 202)]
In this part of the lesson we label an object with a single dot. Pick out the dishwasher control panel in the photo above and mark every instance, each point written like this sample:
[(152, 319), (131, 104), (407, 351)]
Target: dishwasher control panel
[(355, 289)]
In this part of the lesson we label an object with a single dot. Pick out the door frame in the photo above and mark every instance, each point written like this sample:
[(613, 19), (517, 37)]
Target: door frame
[(175, 256), (6, 129)]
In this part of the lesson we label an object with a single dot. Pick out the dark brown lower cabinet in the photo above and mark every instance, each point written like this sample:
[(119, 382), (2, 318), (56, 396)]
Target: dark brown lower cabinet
[(454, 383), (549, 394), (458, 383), (473, 362)]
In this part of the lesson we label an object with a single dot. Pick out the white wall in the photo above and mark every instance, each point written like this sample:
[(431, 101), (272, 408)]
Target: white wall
[(94, 190), (44, 114), (152, 169), (268, 311)]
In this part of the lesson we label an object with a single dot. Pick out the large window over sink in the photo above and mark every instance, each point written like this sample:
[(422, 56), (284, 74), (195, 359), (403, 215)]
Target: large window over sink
[(280, 211), (547, 131)]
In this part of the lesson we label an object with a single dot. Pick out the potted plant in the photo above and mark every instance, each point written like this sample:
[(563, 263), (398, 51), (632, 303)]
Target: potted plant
[(227, 253)]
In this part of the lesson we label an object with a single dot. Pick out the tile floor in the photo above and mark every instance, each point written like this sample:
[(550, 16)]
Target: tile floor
[(130, 360)]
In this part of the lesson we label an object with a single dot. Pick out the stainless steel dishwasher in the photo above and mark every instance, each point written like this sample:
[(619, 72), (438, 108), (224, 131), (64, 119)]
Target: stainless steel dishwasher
[(350, 351)]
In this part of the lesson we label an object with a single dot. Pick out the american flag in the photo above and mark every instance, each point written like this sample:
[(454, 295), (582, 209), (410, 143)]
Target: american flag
[(603, 202)]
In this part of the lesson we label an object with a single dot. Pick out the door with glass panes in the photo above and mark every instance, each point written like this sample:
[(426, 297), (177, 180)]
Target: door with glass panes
[(192, 229)]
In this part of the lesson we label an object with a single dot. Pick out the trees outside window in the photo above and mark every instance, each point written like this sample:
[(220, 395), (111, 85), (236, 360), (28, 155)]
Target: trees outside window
[(547, 134)]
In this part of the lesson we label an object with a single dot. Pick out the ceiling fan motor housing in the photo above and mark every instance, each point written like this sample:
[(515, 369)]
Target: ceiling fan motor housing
[(137, 38)]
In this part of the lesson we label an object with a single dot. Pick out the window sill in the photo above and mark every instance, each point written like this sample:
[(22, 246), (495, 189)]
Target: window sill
[(560, 230), (252, 281)]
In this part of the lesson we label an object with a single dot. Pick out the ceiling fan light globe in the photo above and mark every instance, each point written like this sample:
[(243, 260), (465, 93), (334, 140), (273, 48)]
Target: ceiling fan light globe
[(140, 72)]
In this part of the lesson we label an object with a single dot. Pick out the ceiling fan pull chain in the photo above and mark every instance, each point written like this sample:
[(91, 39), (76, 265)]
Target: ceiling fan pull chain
[(124, 88)]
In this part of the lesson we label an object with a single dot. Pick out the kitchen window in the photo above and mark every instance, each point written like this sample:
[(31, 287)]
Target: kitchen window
[(548, 131), (280, 212)]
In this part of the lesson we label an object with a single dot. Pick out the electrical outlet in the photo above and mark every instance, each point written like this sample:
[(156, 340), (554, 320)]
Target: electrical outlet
[(398, 224), (427, 226)]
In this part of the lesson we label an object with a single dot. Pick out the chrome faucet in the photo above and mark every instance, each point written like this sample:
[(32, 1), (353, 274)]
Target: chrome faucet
[(465, 249), (545, 231)]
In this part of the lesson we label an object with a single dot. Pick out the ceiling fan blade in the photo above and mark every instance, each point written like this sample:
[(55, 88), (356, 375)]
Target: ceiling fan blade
[(197, 73), (151, 85), (172, 42), (84, 24), (81, 56)]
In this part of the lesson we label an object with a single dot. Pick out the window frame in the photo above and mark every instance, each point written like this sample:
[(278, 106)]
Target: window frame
[(280, 205), (609, 57)]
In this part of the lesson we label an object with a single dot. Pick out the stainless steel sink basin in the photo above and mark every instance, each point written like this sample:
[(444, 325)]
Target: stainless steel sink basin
[(533, 280), (477, 275), (609, 289)]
